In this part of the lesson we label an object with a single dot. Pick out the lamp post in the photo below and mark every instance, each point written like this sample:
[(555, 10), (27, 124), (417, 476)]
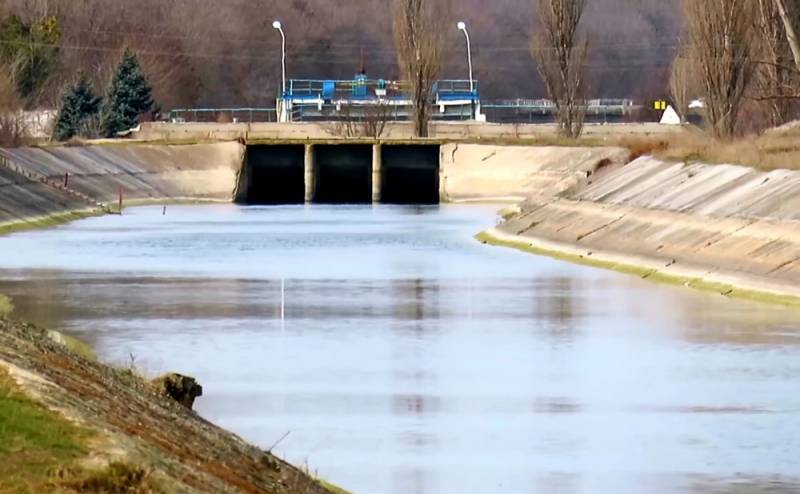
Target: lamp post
[(277, 25), (462, 26)]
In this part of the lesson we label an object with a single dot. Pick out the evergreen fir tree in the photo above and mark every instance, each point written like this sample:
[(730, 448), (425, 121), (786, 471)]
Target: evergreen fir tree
[(130, 96), (79, 105)]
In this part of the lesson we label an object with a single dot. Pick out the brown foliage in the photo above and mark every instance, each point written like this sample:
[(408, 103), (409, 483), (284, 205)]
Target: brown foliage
[(560, 57)]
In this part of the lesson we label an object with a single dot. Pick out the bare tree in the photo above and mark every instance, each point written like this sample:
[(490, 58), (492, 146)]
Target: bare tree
[(13, 129), (370, 123), (419, 27), (791, 31), (560, 58), (212, 53), (722, 36), (682, 82), (775, 73)]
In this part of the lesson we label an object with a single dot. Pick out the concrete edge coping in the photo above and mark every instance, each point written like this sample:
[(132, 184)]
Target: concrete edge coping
[(729, 284)]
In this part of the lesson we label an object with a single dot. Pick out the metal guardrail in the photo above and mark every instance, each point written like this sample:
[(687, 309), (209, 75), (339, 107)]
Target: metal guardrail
[(309, 104), (546, 104), (223, 115), (315, 90), (544, 110)]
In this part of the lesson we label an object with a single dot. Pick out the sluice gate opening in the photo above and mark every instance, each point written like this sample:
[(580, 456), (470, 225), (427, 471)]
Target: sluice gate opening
[(342, 174), (410, 174), (346, 173), (272, 175)]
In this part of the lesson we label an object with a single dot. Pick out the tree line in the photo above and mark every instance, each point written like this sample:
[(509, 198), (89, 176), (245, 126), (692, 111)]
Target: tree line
[(209, 53), (739, 58), (743, 58), (215, 54)]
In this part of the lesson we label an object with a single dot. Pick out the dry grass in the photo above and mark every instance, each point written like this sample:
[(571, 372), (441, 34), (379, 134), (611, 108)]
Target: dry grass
[(117, 478), (769, 151)]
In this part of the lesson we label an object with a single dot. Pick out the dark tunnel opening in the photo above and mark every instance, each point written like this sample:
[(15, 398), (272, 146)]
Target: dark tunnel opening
[(410, 174), (274, 174), (343, 174)]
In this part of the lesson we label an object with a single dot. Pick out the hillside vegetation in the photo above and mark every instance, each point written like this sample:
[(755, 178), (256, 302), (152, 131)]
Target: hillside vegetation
[(213, 53)]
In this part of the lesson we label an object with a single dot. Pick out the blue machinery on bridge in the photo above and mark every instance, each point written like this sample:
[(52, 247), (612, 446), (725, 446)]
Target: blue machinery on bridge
[(362, 98), (379, 99)]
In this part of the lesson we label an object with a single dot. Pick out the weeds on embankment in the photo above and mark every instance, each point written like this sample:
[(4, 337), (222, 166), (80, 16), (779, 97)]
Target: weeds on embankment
[(34, 442), (39, 450), (6, 306)]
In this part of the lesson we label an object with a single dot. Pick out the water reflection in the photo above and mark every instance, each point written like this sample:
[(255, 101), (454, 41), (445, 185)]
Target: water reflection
[(413, 359)]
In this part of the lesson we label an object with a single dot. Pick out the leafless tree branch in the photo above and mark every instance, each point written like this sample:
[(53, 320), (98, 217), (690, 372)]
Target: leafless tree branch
[(560, 57)]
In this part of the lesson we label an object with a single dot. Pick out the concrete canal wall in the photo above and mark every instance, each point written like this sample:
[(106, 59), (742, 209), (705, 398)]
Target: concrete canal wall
[(39, 186), (730, 228), (202, 171), (473, 172), (39, 182), (24, 199)]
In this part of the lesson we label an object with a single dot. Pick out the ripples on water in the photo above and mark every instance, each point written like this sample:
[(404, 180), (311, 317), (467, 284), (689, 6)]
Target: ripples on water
[(412, 359)]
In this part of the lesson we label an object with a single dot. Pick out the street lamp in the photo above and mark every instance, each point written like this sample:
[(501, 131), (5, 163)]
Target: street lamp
[(462, 26), (277, 25)]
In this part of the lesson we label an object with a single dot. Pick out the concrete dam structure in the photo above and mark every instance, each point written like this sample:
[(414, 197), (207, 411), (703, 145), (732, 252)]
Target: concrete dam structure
[(58, 181), (351, 173)]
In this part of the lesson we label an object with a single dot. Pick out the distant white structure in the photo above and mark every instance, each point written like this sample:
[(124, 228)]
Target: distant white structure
[(698, 103), (670, 117)]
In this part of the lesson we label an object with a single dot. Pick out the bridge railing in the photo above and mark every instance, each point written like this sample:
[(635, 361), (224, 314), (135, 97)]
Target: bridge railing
[(315, 90), (544, 110), (546, 104), (223, 115)]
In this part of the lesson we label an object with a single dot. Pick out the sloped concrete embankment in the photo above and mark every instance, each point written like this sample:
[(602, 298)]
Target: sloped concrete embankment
[(478, 172), (42, 182), (730, 228), (24, 199)]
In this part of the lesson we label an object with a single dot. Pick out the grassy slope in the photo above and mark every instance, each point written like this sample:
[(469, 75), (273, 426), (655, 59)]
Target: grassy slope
[(168, 448), (34, 442)]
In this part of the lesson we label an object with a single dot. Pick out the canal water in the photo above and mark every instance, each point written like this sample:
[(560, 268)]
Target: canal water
[(402, 356)]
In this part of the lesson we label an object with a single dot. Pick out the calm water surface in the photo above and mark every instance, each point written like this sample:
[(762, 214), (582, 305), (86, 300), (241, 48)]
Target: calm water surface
[(412, 359)]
